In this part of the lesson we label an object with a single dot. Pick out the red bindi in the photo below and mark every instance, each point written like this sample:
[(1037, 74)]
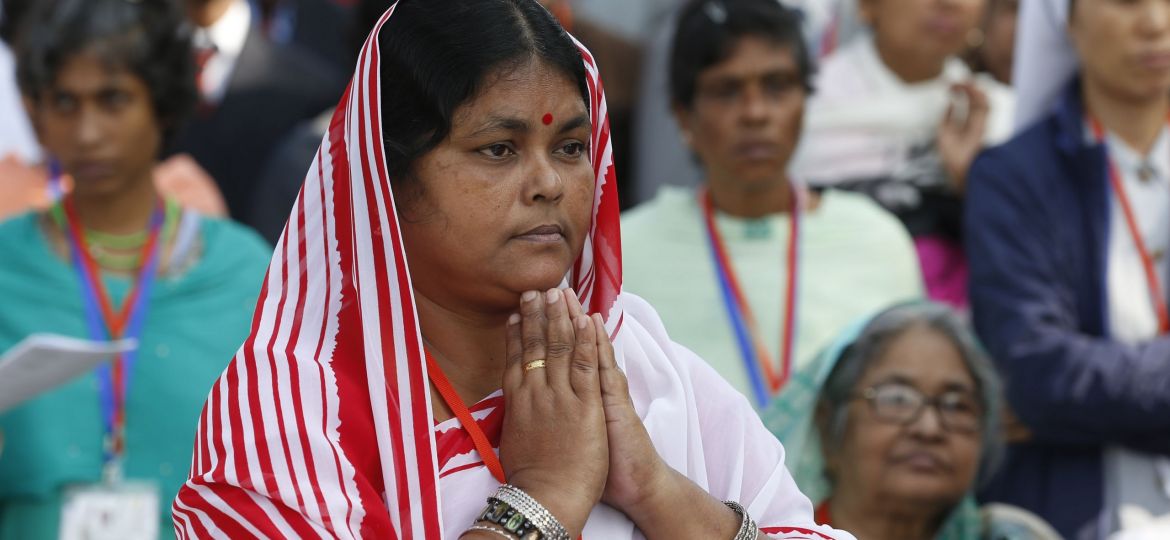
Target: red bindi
[(547, 119)]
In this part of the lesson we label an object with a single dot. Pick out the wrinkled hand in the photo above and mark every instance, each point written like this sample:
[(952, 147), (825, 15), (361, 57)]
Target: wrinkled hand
[(635, 469), (960, 137), (553, 444)]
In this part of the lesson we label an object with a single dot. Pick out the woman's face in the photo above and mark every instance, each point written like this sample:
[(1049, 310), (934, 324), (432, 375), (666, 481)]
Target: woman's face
[(746, 117), (1124, 45), (503, 204), (99, 122), (928, 29), (889, 455)]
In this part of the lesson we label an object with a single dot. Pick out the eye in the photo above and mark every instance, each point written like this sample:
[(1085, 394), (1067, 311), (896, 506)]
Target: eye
[(63, 103), (114, 99), (958, 402), (573, 149), (497, 151)]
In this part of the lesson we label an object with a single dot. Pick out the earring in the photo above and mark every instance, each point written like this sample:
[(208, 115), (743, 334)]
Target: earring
[(975, 38)]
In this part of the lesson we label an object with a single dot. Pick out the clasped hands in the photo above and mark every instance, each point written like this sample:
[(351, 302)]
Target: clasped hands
[(571, 436)]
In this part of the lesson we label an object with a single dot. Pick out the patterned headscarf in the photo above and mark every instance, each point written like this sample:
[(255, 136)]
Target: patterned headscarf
[(326, 407)]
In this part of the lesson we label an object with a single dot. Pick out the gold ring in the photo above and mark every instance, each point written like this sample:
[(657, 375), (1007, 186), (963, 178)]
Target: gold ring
[(535, 364)]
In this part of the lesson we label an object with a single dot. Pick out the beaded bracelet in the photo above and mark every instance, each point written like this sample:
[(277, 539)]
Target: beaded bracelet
[(747, 527), (512, 520), (549, 527)]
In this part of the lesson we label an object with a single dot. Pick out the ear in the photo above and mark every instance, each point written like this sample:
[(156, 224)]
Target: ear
[(682, 115)]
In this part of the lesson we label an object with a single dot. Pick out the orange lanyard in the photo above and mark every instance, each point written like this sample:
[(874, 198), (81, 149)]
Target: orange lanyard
[(478, 437), (1152, 282)]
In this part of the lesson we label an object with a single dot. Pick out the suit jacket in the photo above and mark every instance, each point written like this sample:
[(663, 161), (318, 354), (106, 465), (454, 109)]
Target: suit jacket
[(1037, 218), (271, 90)]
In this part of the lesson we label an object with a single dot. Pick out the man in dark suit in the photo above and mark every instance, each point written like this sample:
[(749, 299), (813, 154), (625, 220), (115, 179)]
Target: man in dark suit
[(253, 93)]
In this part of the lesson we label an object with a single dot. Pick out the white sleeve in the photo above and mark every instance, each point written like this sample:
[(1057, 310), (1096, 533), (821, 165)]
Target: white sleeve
[(744, 461)]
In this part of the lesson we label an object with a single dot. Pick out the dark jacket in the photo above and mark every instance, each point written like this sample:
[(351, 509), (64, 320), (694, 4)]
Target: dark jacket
[(1037, 223), (271, 90)]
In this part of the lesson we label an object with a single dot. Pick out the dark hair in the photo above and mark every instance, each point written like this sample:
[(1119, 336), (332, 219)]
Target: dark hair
[(436, 56), (708, 30), (10, 16), (149, 38)]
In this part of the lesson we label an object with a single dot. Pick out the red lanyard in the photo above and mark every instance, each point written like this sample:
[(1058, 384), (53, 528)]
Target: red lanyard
[(1152, 282), (741, 311), (478, 437), (128, 321)]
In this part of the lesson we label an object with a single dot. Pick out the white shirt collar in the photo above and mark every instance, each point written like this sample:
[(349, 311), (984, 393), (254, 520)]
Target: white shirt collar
[(229, 33)]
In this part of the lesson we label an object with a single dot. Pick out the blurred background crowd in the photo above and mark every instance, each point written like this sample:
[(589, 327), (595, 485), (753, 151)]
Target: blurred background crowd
[(926, 238)]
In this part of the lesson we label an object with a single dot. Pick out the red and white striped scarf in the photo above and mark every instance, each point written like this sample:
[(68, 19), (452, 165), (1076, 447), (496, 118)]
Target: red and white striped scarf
[(322, 425)]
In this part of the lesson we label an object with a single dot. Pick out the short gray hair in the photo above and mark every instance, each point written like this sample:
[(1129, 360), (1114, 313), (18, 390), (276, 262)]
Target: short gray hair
[(871, 344)]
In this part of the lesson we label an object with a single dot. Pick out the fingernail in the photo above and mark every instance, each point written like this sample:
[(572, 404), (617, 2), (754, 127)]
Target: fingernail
[(528, 296), (553, 295), (514, 318)]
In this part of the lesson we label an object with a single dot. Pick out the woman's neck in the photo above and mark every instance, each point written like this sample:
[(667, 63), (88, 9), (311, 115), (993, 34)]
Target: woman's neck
[(1138, 122), (468, 346), (910, 67), (124, 212), (733, 198), (880, 522)]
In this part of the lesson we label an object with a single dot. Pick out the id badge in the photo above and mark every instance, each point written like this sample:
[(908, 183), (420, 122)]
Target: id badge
[(123, 511)]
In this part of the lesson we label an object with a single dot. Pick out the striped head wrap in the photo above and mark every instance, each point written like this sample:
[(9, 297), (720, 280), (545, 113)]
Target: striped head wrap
[(321, 426)]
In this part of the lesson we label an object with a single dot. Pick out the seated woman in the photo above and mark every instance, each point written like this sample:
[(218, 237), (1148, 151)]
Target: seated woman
[(106, 82), (890, 428), (898, 116), (467, 168)]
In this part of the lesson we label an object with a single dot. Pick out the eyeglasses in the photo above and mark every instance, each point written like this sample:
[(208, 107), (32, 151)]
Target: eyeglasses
[(902, 404)]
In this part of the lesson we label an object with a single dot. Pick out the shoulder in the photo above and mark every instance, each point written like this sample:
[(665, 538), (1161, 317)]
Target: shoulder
[(840, 73), (1028, 162), (670, 212), (19, 229), (858, 215), (237, 245)]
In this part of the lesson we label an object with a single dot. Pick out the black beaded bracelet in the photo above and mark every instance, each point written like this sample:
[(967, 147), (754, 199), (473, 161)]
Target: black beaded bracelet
[(511, 520)]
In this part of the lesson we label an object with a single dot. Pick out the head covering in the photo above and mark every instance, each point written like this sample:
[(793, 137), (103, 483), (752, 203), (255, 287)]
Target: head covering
[(792, 418), (1045, 58), (336, 335)]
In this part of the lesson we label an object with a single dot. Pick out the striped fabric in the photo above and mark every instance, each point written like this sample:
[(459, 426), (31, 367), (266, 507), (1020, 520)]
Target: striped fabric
[(321, 425)]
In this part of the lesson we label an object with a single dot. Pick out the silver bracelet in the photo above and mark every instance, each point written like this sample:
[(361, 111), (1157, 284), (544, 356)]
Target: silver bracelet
[(545, 522), (747, 528), (489, 529)]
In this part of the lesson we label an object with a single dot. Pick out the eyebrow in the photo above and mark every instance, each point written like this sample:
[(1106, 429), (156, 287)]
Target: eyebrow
[(948, 386), (504, 123)]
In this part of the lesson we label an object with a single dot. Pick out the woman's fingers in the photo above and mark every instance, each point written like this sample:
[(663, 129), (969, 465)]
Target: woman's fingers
[(533, 331), (514, 347), (613, 381), (583, 373), (559, 346)]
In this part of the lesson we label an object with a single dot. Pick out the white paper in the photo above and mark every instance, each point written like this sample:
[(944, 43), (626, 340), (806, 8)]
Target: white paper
[(42, 362)]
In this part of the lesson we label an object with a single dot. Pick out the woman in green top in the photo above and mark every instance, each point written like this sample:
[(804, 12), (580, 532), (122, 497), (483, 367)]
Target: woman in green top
[(106, 82)]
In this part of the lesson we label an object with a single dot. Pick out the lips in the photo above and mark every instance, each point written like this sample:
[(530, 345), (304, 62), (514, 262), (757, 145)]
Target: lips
[(1156, 60), (543, 234), (93, 170), (756, 150), (922, 461)]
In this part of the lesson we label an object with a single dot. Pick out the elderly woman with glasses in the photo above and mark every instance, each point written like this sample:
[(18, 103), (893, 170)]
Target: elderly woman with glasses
[(889, 430)]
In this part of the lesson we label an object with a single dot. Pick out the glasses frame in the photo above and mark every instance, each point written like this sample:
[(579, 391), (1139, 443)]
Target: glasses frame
[(870, 396)]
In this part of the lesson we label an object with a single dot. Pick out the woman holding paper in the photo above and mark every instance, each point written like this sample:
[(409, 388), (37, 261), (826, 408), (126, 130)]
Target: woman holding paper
[(105, 83)]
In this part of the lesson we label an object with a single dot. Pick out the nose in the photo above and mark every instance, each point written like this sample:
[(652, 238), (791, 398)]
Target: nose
[(755, 105), (544, 183), (90, 129), (1155, 18), (928, 425)]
